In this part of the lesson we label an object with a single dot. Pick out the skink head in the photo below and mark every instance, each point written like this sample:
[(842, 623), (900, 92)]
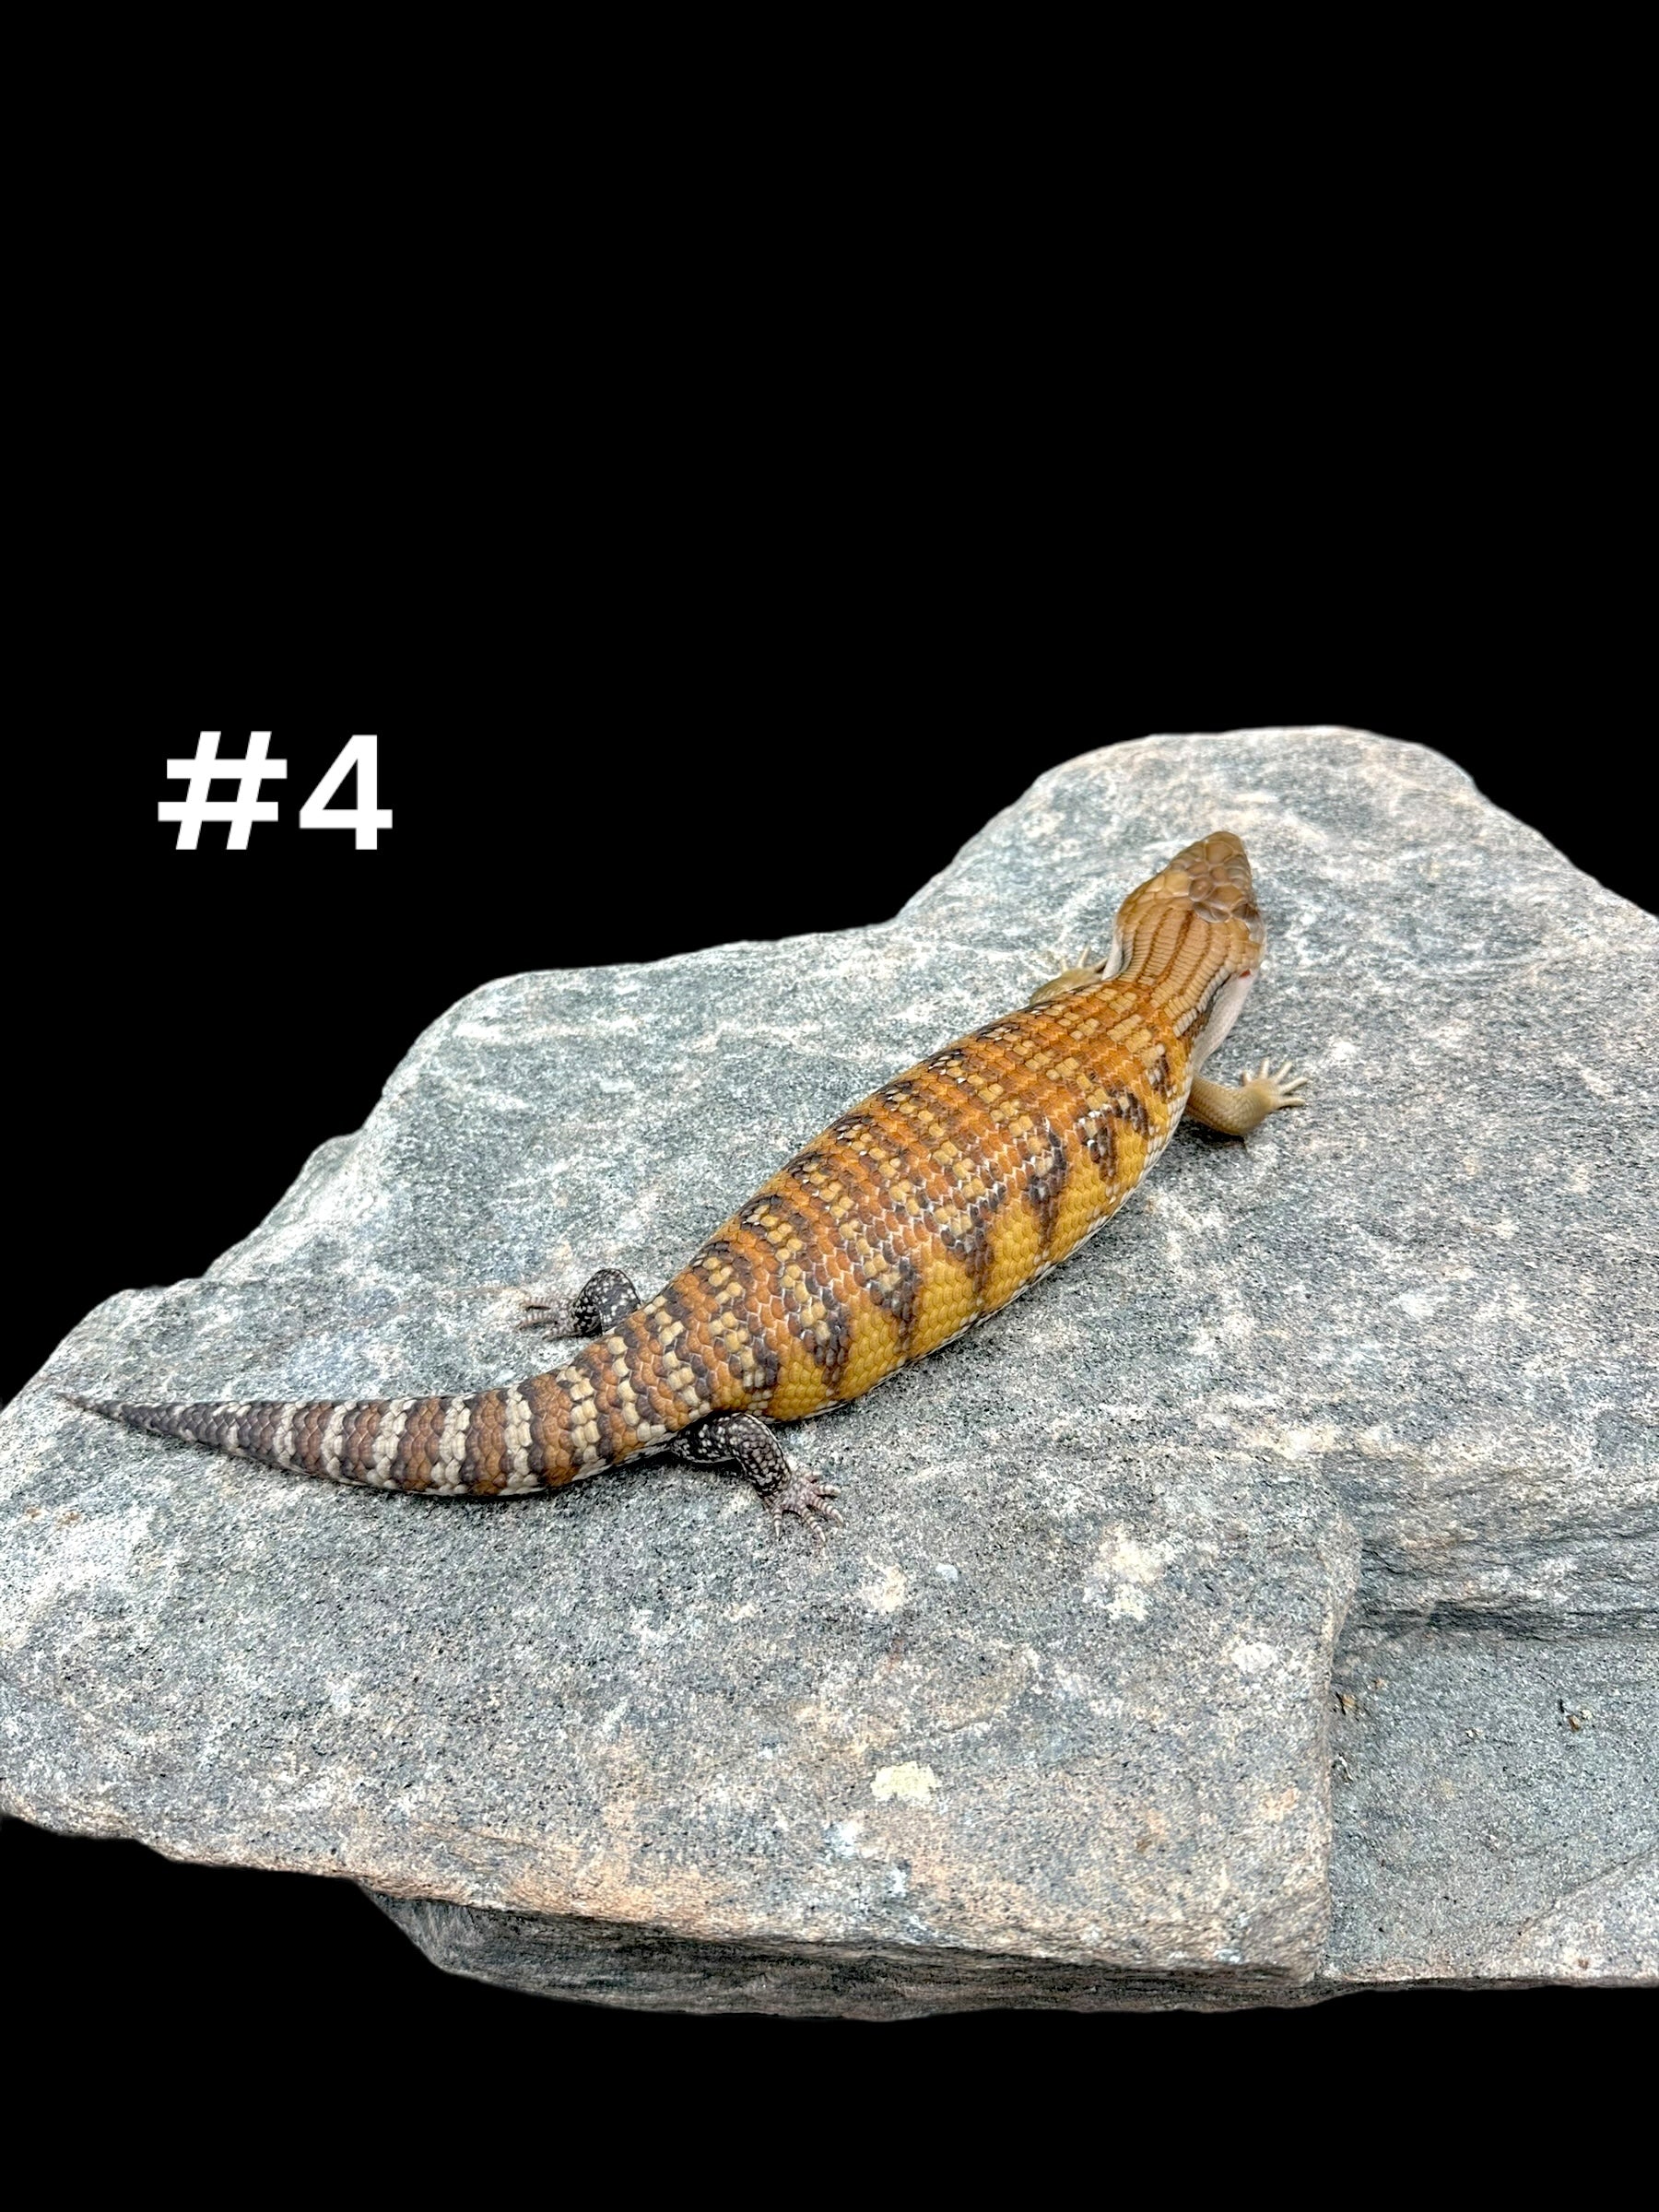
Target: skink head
[(1192, 937)]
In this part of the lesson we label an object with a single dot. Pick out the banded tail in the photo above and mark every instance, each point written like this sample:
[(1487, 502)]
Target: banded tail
[(619, 1396)]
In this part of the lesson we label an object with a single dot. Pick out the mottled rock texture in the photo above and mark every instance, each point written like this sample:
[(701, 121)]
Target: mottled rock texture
[(1067, 1712)]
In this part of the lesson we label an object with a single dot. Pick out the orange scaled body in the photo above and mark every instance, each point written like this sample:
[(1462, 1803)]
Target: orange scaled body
[(930, 1202)]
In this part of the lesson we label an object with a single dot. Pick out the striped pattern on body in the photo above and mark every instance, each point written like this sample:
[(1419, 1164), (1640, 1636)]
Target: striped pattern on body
[(921, 1209)]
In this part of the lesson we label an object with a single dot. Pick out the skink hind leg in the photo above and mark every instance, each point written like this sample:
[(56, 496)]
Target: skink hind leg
[(744, 1440), (594, 1311), (1236, 1112)]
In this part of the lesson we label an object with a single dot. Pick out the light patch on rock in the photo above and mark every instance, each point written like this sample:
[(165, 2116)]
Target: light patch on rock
[(1124, 1572), (906, 1784), (1317, 1438), (886, 1592), (1121, 1558), (90, 1552)]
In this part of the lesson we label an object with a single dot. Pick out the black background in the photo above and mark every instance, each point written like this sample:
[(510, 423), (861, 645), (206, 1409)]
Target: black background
[(620, 756)]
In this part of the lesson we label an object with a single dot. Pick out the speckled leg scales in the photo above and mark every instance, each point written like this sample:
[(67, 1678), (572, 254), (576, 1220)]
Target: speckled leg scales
[(744, 1440), (740, 1440), (603, 1300)]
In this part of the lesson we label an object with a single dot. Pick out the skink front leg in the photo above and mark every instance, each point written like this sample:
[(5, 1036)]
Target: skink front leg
[(1235, 1111)]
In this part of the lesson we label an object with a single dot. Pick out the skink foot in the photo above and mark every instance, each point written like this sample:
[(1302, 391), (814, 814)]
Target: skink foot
[(744, 1440)]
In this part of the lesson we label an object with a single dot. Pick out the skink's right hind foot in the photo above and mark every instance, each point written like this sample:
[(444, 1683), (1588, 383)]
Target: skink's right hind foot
[(744, 1440), (801, 1495)]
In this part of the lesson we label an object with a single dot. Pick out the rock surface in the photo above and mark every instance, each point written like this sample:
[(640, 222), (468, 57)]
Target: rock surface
[(1067, 1712)]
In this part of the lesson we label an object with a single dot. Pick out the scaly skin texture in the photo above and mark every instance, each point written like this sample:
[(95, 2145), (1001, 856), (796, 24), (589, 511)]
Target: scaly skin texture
[(920, 1210)]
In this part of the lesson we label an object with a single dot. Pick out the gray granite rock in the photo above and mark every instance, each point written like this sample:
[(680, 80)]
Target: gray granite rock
[(1495, 1808), (1053, 1719)]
